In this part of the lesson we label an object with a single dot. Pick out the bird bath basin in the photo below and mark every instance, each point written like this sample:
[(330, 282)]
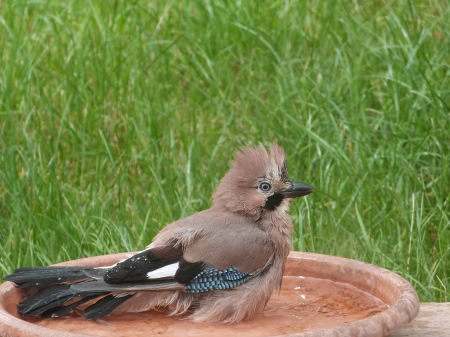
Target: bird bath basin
[(321, 296)]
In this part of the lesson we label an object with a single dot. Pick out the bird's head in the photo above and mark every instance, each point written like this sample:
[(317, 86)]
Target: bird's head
[(258, 183)]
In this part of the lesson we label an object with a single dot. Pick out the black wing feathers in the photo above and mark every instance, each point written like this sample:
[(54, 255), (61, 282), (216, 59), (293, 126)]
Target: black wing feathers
[(187, 271), (43, 276), (62, 289), (136, 267)]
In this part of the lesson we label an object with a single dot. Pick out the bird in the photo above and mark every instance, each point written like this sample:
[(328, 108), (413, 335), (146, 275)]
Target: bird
[(218, 265)]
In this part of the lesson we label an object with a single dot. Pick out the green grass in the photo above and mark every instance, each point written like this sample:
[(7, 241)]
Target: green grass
[(119, 117)]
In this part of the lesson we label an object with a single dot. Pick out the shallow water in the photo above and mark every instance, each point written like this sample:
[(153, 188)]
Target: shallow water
[(304, 304)]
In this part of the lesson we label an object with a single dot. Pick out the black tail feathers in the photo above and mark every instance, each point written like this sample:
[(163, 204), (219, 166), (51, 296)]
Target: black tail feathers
[(105, 306), (65, 309), (49, 302), (55, 291), (52, 298)]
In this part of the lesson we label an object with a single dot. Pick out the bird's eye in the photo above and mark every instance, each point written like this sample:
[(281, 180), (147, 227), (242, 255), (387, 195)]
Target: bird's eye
[(265, 187)]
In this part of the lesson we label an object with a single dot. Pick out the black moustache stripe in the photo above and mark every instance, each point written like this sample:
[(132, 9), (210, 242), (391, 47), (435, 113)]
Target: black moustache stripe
[(273, 201)]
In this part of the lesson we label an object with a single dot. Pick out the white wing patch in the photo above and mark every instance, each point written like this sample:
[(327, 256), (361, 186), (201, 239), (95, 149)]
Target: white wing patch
[(166, 271)]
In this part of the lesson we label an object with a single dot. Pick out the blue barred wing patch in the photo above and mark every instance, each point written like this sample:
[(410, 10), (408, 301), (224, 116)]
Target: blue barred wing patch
[(215, 279)]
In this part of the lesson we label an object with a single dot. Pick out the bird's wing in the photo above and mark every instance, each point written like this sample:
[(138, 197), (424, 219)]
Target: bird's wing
[(224, 258), (155, 263), (224, 247)]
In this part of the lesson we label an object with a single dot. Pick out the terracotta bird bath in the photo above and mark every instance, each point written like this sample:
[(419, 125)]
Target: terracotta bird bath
[(321, 296)]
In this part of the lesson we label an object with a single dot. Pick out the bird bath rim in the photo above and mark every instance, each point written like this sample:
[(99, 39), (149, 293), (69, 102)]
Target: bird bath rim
[(381, 283)]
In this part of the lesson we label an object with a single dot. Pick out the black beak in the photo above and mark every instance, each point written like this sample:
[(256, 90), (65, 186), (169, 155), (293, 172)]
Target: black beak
[(297, 190)]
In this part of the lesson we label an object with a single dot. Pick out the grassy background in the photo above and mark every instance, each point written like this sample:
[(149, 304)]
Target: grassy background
[(119, 117)]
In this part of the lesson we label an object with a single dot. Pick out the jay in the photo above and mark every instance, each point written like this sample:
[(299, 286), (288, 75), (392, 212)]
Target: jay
[(222, 264)]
